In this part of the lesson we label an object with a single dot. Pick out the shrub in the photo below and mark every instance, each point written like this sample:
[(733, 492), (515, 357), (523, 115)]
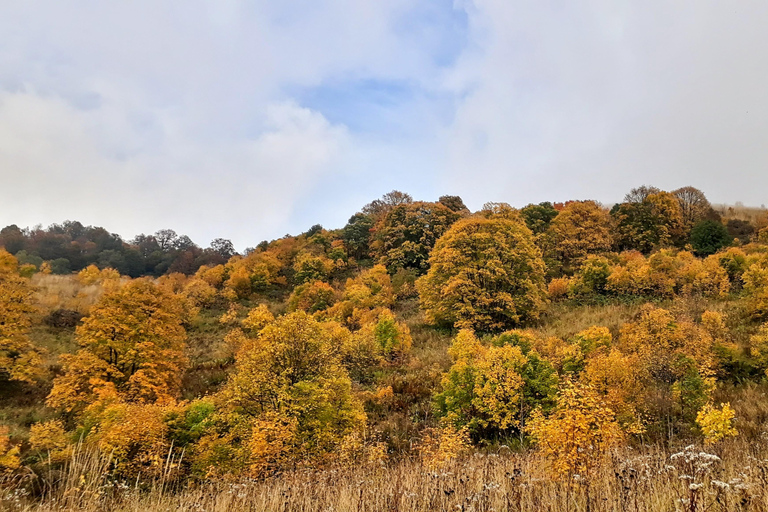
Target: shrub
[(312, 297), (491, 389), (579, 433), (716, 424)]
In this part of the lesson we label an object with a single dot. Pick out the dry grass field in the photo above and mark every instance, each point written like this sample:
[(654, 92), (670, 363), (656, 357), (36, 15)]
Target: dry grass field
[(730, 477)]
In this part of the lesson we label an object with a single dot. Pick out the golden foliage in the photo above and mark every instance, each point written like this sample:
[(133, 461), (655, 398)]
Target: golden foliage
[(483, 389), (200, 293), (498, 387), (660, 340), (579, 433), (8, 262), (363, 297), (270, 442), (92, 275), (19, 358), (289, 397), (759, 347), (594, 339), (558, 288), (214, 276), (762, 236), (580, 229), (133, 345), (254, 273), (371, 289), (257, 319), (716, 424), (755, 279), (50, 438), (134, 434), (441, 445), (384, 337), (9, 454), (667, 273), (312, 297), (562, 355), (486, 274), (308, 267), (616, 377)]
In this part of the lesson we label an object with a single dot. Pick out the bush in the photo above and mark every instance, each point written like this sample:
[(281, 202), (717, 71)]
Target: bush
[(63, 318)]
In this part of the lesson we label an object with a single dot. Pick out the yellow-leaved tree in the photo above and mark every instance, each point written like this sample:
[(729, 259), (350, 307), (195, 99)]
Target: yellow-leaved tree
[(716, 424), (9, 453), (133, 349), (582, 228), (759, 347), (363, 297), (675, 359), (289, 400), (491, 388), (485, 273), (579, 433), (19, 359)]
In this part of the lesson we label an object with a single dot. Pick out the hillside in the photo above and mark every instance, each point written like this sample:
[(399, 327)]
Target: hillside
[(422, 357)]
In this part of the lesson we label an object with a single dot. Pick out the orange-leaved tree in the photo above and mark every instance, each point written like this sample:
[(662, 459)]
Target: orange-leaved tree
[(133, 349), (19, 359), (676, 360)]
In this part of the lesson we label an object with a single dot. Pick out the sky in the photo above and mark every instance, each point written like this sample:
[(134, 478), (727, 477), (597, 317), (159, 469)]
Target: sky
[(250, 120)]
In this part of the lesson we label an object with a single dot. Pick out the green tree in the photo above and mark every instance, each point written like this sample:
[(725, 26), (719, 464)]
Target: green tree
[(406, 235), (357, 235), (708, 237), (656, 221), (538, 216), (492, 388)]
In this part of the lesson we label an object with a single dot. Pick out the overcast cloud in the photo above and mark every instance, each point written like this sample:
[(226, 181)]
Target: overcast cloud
[(249, 120)]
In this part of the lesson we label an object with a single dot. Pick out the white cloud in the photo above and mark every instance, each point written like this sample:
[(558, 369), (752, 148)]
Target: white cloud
[(152, 114), (148, 114), (588, 99), (56, 166)]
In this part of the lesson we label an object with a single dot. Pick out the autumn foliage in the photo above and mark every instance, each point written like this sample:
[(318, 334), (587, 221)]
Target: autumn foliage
[(19, 358), (486, 273), (417, 333), (132, 349)]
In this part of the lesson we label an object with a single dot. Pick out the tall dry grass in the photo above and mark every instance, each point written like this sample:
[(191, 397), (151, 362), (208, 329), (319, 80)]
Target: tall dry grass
[(731, 477), (64, 292)]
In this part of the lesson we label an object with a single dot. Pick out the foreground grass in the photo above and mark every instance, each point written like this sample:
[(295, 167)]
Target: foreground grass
[(731, 477)]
